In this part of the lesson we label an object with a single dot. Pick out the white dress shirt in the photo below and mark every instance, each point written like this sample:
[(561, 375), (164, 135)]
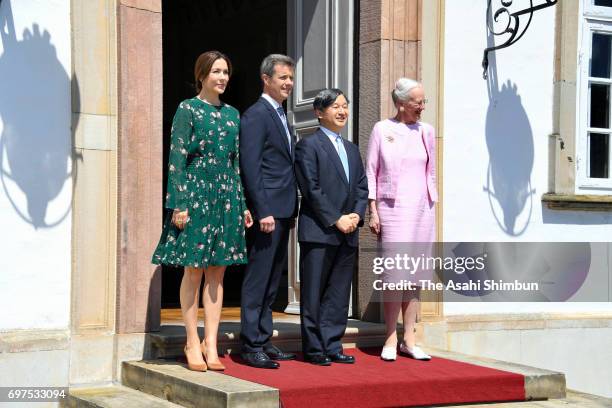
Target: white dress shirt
[(282, 117), (332, 136)]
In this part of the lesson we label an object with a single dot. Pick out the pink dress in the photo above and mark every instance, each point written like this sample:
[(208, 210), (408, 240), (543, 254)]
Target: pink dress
[(397, 155)]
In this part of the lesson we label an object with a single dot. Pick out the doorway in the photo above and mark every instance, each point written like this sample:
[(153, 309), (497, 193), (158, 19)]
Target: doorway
[(246, 31)]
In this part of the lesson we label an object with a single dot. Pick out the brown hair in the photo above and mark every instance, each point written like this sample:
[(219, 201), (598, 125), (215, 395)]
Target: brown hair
[(204, 64)]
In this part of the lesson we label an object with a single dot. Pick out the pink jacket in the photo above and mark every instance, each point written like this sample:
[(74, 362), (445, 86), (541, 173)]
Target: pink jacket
[(384, 162)]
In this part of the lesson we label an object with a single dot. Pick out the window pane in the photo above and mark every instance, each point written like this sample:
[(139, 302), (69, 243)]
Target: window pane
[(600, 106), (599, 155), (603, 3), (600, 60)]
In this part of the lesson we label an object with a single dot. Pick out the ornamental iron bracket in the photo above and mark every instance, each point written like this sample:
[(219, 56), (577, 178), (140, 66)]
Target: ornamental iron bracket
[(510, 23)]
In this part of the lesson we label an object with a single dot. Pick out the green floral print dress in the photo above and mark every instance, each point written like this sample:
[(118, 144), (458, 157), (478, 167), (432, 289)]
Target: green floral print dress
[(204, 178)]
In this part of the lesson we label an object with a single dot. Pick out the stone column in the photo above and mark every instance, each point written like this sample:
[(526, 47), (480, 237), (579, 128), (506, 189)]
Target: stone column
[(94, 238), (139, 164), (390, 46), (564, 138)]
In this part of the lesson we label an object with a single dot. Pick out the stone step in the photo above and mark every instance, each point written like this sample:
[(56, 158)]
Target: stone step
[(572, 400), (116, 396), (540, 384), (174, 382), (170, 340), (158, 377)]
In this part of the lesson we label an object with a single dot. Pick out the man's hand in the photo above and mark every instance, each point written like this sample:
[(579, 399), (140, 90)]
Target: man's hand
[(356, 218), (267, 224), (346, 224)]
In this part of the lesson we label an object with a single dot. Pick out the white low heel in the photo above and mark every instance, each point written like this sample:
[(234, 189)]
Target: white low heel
[(389, 353), (415, 352)]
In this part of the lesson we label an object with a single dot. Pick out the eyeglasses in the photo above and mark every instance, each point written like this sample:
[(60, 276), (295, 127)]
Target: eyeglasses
[(418, 103)]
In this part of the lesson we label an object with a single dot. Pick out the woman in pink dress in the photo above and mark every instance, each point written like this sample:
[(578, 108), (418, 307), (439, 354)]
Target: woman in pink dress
[(402, 184)]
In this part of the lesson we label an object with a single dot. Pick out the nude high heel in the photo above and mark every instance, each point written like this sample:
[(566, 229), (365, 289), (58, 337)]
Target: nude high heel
[(194, 367), (211, 366)]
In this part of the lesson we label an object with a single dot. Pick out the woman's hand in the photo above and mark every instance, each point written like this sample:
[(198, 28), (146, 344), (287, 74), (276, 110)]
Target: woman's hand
[(180, 218), (248, 219), (374, 223)]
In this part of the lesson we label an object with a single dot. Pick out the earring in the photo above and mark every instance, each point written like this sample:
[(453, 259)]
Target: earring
[(401, 108)]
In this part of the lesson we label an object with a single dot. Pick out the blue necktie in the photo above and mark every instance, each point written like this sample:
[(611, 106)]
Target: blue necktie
[(281, 113), (343, 156)]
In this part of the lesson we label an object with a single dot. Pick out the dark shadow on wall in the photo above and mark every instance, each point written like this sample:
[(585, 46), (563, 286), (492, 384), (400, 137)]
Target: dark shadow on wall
[(36, 141), (511, 154)]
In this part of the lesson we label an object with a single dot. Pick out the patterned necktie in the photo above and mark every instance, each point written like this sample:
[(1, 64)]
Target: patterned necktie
[(343, 156), (281, 113)]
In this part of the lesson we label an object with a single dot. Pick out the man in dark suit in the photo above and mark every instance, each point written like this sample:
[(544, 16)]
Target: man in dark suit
[(266, 161), (334, 190)]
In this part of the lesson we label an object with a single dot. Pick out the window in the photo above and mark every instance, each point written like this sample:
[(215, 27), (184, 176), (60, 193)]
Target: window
[(594, 154), (580, 145)]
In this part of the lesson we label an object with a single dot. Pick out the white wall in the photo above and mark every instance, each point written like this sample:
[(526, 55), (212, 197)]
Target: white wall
[(36, 188), (507, 129)]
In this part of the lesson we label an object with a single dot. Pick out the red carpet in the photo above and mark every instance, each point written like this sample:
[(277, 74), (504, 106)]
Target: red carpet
[(371, 382)]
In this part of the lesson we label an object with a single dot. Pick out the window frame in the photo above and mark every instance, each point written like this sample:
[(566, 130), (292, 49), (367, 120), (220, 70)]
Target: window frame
[(593, 19), (596, 12)]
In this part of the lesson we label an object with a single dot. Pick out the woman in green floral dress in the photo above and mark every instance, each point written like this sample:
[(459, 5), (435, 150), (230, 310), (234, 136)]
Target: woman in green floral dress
[(204, 229)]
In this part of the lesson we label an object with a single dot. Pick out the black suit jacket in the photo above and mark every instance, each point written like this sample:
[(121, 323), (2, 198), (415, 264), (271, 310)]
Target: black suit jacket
[(326, 194), (266, 163)]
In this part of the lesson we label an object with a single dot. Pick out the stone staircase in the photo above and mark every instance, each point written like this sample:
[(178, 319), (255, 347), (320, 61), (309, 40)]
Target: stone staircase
[(169, 342), (114, 396), (162, 382)]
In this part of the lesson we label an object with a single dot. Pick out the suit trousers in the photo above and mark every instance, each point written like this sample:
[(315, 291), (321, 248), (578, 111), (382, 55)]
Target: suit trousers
[(267, 261), (326, 273)]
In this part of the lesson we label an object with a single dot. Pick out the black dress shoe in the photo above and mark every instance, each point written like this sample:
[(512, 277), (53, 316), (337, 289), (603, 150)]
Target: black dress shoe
[(341, 358), (259, 360), (277, 354), (318, 359)]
